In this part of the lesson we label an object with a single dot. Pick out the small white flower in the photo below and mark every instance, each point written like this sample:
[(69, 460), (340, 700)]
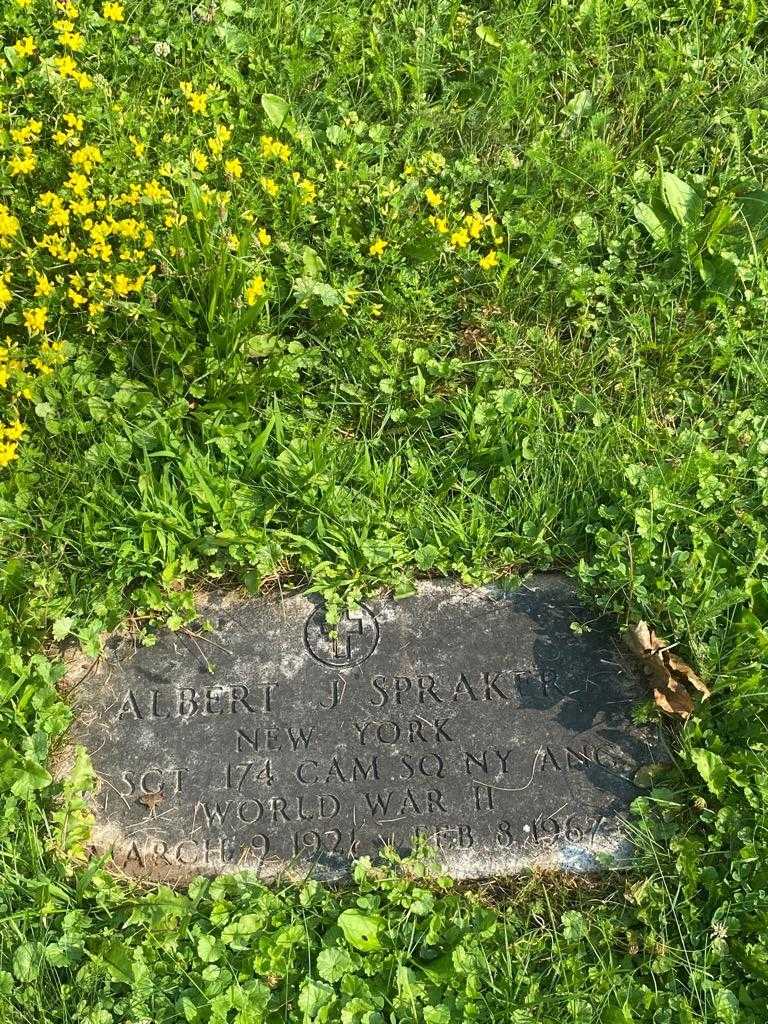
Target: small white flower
[(162, 49)]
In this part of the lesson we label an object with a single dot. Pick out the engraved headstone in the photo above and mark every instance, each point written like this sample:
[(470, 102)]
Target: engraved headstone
[(262, 738)]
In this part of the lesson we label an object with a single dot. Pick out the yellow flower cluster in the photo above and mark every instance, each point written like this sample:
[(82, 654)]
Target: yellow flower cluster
[(91, 215), (198, 101), (273, 148), (255, 289), (73, 246), (96, 224), (9, 440), (113, 11), (466, 228)]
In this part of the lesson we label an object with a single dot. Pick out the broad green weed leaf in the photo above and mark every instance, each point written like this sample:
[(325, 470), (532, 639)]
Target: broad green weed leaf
[(208, 949), (717, 273), (313, 997), (580, 105), (313, 265), (712, 769), (241, 929), (682, 201), (573, 925), (647, 217), (440, 1014), (487, 35), (31, 777), (275, 107), (727, 1007), (61, 627), (360, 930), (333, 964), (12, 57), (26, 961), (118, 959)]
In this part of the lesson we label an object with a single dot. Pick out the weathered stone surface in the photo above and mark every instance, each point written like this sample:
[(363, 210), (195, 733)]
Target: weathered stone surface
[(476, 718)]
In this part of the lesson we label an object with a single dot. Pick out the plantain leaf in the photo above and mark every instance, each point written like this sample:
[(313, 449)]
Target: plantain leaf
[(275, 107), (682, 201)]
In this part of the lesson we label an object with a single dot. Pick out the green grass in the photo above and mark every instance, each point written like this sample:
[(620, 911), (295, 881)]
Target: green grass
[(598, 401)]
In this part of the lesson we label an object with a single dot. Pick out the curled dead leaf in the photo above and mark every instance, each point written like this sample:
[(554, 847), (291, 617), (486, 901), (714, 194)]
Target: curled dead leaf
[(151, 802), (672, 679)]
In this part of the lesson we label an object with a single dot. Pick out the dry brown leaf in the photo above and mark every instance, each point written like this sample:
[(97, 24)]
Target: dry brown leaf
[(679, 669), (674, 701), (671, 677), (151, 801)]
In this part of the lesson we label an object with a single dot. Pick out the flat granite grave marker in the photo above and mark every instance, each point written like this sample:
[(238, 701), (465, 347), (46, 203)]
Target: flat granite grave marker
[(475, 718)]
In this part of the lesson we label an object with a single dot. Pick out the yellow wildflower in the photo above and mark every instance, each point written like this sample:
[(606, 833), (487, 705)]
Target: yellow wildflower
[(87, 158), (5, 293), (490, 259), (82, 207), (433, 198), (272, 147), (154, 190), (7, 452), (308, 191), (460, 238), (74, 41), (43, 287), (34, 319), (440, 224), (475, 224), (75, 122), (198, 101), (14, 430), (234, 167), (27, 133), (25, 47), (9, 225), (58, 217), (270, 186), (264, 237), (66, 66), (23, 164), (199, 160), (255, 289), (113, 11), (78, 183), (377, 248)]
